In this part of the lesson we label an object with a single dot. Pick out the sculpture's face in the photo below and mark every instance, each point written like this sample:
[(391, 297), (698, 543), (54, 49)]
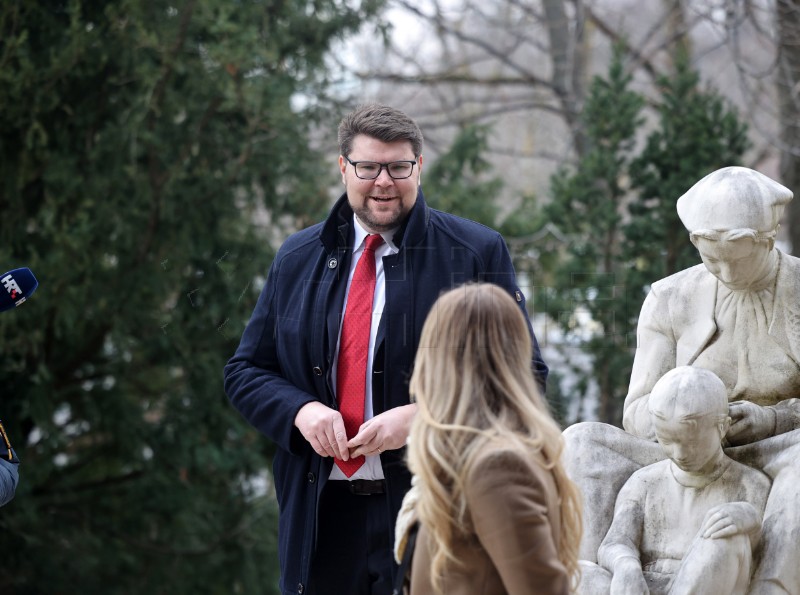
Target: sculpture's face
[(736, 263), (692, 445)]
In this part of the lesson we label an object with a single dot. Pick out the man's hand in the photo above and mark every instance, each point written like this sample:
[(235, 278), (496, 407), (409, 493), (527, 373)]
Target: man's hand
[(730, 519), (750, 423), (387, 431), (323, 428)]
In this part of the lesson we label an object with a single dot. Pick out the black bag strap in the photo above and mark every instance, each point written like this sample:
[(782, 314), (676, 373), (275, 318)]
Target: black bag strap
[(405, 564)]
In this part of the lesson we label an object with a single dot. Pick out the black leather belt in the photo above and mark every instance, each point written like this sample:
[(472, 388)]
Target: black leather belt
[(366, 487)]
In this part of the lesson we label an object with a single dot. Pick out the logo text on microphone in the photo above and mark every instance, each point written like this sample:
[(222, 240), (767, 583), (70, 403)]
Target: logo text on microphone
[(11, 287)]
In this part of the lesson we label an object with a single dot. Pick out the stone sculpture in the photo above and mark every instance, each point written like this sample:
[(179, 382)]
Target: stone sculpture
[(689, 523), (737, 315)]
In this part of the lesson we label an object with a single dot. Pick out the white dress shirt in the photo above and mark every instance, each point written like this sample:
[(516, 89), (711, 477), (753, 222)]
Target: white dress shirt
[(371, 469)]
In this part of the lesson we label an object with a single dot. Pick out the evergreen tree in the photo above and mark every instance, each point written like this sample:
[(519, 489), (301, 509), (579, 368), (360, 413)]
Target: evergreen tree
[(618, 210), (697, 134), (150, 155), (588, 206), (460, 181)]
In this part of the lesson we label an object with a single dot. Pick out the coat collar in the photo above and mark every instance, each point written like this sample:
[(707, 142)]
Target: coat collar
[(337, 227)]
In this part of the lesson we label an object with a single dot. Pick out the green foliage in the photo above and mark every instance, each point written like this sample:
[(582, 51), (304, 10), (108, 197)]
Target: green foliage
[(617, 209), (139, 143), (697, 135), (457, 181), (588, 206)]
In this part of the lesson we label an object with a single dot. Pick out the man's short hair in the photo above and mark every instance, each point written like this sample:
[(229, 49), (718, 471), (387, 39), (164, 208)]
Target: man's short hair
[(381, 122)]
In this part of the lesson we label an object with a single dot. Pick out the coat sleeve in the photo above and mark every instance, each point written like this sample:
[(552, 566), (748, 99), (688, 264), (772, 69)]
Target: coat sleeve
[(508, 503), (254, 381), (500, 271)]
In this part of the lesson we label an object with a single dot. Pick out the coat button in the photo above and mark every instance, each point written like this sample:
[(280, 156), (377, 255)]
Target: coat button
[(333, 263), (311, 477), (317, 371), (300, 588)]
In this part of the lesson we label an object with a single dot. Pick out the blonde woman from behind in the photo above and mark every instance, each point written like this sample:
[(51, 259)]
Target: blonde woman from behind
[(497, 514)]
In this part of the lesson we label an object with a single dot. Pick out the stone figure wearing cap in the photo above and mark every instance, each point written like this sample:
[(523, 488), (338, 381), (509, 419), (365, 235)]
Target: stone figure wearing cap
[(738, 315)]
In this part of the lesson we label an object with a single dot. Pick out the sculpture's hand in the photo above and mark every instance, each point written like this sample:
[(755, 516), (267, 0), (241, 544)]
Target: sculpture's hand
[(628, 578), (730, 519), (750, 423)]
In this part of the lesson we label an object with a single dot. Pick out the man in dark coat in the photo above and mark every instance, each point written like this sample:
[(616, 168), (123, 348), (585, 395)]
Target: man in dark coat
[(336, 526)]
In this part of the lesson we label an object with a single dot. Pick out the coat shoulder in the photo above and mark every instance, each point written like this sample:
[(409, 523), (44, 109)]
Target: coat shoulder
[(308, 238), (463, 231)]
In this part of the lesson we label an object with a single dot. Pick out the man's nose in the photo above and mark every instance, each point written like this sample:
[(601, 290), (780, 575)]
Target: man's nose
[(384, 179)]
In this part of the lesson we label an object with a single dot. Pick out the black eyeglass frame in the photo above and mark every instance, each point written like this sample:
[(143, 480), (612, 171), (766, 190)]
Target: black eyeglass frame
[(381, 167)]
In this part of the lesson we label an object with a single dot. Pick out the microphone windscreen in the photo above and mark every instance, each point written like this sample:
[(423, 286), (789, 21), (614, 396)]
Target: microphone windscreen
[(15, 287)]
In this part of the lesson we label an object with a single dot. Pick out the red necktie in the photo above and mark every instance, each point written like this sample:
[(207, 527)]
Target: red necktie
[(351, 374)]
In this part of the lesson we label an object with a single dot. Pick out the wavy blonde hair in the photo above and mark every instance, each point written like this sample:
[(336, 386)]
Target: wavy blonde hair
[(475, 388)]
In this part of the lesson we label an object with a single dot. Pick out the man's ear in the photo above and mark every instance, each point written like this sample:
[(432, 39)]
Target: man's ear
[(342, 166)]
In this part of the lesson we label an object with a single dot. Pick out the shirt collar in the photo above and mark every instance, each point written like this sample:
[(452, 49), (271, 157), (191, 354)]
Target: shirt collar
[(361, 234)]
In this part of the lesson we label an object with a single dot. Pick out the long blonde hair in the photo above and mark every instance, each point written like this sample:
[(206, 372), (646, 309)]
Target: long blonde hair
[(474, 386)]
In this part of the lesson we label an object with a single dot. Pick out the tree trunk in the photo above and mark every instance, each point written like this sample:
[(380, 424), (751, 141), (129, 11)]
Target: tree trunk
[(566, 53), (787, 15)]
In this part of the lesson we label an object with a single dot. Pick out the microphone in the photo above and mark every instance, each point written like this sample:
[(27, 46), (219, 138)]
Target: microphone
[(17, 286)]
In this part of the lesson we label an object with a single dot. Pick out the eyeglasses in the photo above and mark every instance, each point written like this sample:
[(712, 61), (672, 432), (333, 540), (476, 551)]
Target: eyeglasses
[(369, 170)]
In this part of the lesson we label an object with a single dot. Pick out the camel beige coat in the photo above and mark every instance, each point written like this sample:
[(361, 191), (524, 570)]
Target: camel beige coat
[(514, 525)]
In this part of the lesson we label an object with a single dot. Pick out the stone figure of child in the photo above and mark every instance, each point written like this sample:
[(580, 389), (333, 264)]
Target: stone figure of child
[(689, 523)]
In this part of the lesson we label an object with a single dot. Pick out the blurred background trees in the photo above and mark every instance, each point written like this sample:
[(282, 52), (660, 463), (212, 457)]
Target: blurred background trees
[(617, 210), (150, 152), (154, 155), (718, 85)]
